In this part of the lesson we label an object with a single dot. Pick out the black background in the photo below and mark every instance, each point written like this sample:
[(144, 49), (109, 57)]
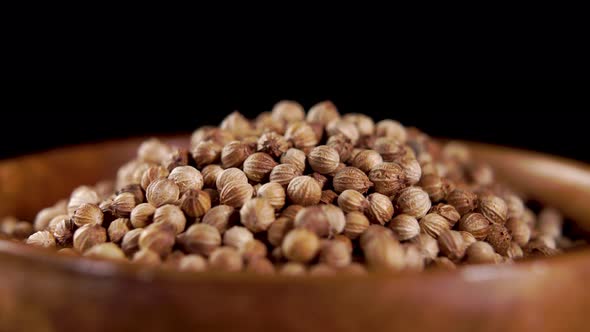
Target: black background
[(542, 116)]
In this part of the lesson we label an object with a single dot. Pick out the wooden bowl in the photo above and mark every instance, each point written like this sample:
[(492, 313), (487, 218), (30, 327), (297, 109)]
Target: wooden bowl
[(41, 291)]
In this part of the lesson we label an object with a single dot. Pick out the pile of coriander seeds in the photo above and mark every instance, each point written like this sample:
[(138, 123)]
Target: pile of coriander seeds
[(298, 193)]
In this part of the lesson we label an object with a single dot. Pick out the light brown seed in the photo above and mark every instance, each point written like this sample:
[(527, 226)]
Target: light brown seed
[(387, 177), (480, 253), (230, 175), (367, 160), (323, 159), (186, 178), (436, 187), (414, 201), (448, 212), (260, 265), (206, 153), (201, 239), (108, 251), (335, 254), (88, 236), (257, 215), (152, 174), (494, 208), (158, 237), (236, 194), (434, 224), (304, 190), (300, 245), (221, 217), (391, 128), (130, 242), (476, 224), (384, 253), (272, 143), (336, 218), (161, 192), (314, 219), (463, 201), (356, 224), (87, 214), (192, 263), (301, 135), (210, 174), (294, 157), (499, 238), (274, 193), (284, 173), (278, 229), (520, 232), (451, 244), (195, 203), (351, 178), (237, 237), (171, 215), (258, 166), (123, 204), (351, 200), (405, 227), (225, 259), (234, 153), (42, 239), (142, 215), (379, 208), (147, 257), (118, 228), (286, 111)]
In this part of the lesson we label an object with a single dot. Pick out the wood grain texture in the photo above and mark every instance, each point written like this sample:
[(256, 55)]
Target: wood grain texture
[(40, 291)]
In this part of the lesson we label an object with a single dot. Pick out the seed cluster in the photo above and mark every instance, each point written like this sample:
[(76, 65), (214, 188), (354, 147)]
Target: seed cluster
[(296, 193)]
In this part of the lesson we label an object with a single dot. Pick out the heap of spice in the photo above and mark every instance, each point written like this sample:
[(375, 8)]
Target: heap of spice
[(298, 193)]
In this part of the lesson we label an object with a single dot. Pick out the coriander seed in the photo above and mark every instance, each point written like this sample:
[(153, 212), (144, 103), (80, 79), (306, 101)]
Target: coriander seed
[(356, 224), (294, 157), (171, 215), (147, 257), (210, 174), (314, 219), (257, 214), (494, 208), (323, 159), (161, 192), (476, 224), (258, 166), (300, 245), (201, 239), (434, 224), (284, 173), (236, 194), (221, 217), (379, 208), (273, 144), (195, 203), (304, 190), (234, 154), (158, 237), (237, 237), (225, 259), (87, 214), (351, 200), (414, 201), (118, 228), (130, 242), (351, 178), (192, 263), (274, 193), (142, 215), (405, 227), (88, 236), (278, 229), (186, 178), (42, 239)]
